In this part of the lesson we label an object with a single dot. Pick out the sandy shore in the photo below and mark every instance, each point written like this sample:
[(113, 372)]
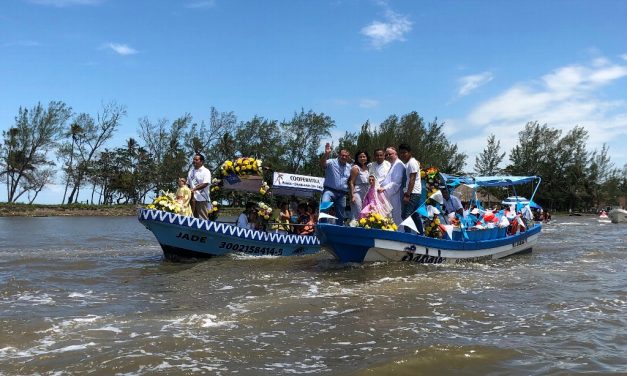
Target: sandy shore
[(36, 210)]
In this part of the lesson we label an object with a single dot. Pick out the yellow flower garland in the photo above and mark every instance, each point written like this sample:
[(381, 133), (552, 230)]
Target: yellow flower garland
[(165, 202), (377, 221), (241, 166)]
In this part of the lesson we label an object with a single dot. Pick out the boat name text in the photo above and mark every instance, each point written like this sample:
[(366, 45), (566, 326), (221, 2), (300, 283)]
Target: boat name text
[(520, 242), (192, 238), (422, 259)]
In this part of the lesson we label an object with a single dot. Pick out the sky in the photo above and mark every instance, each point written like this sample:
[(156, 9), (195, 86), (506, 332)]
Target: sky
[(481, 67)]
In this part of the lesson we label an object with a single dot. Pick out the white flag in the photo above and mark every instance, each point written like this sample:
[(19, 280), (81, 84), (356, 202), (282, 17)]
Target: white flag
[(409, 222), (437, 196), (432, 210), (325, 215), (449, 230)]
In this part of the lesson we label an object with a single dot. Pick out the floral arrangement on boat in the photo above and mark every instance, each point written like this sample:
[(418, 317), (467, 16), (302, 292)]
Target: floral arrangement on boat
[(242, 166), (215, 185), (377, 221), (167, 202), (432, 227), (264, 188), (264, 211), (430, 175), (213, 211), (432, 183)]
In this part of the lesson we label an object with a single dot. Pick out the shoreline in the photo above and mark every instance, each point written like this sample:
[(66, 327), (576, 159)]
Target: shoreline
[(75, 210), (79, 210)]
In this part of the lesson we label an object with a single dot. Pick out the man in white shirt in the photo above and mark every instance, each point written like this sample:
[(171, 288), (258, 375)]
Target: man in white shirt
[(199, 178), (380, 167), (392, 184), (413, 187)]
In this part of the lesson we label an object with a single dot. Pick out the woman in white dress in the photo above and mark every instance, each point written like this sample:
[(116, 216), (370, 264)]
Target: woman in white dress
[(358, 182)]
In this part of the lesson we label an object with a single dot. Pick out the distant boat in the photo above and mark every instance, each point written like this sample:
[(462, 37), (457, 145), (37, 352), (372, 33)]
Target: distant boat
[(603, 218), (618, 215), (358, 244)]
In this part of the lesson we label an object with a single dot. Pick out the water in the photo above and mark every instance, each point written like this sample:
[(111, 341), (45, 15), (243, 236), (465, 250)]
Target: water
[(92, 294)]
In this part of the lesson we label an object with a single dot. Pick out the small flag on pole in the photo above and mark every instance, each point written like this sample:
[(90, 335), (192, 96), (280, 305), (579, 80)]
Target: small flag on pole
[(409, 222), (325, 215), (437, 196)]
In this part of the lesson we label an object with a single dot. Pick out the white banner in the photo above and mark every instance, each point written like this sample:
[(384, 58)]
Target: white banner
[(288, 182)]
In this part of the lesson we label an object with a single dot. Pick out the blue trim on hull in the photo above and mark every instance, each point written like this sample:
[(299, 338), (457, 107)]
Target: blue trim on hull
[(351, 244)]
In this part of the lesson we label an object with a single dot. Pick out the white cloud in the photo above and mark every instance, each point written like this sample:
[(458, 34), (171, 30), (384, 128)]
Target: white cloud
[(66, 3), (470, 83), (121, 49), (368, 103), (566, 87), (200, 4), (392, 29), (566, 97), (623, 56)]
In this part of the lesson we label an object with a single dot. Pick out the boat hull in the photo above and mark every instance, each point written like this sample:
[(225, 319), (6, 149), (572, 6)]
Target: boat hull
[(354, 244), (186, 237), (618, 215)]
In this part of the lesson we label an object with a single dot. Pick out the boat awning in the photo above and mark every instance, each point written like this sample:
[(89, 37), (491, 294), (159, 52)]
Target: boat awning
[(454, 181), (503, 181), (515, 200), (284, 184)]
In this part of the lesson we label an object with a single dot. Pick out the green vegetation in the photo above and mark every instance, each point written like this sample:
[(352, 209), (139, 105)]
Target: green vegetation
[(54, 144)]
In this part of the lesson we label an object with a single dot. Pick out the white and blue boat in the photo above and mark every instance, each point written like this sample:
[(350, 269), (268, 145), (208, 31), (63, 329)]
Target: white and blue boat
[(182, 237), (356, 244)]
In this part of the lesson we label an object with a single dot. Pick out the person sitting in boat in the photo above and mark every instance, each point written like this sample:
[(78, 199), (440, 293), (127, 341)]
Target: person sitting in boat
[(306, 224), (183, 196), (451, 204), (285, 216), (375, 201), (312, 210), (248, 217)]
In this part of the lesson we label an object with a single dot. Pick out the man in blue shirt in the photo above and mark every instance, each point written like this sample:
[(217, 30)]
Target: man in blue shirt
[(336, 174)]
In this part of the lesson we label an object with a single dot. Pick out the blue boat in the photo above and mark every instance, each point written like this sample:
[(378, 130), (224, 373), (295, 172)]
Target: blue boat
[(182, 237), (187, 237), (357, 244)]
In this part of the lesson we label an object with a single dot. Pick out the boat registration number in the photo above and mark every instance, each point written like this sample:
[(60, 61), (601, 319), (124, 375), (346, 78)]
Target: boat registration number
[(252, 249)]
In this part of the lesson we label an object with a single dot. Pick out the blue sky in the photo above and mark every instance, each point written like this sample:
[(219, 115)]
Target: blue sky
[(480, 66)]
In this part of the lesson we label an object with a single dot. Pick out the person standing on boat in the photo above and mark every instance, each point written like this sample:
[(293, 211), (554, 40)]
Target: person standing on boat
[(413, 186), (380, 167), (393, 182), (336, 174), (358, 183), (183, 197), (199, 178)]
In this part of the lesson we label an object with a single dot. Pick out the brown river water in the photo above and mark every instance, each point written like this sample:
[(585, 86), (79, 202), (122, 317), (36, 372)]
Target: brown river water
[(83, 295)]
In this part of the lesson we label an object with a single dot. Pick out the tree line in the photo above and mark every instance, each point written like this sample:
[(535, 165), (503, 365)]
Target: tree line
[(53, 144)]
